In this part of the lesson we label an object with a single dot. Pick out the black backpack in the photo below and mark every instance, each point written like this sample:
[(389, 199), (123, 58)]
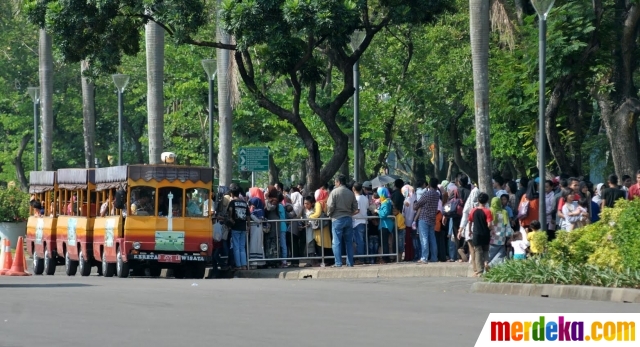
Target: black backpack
[(120, 200)]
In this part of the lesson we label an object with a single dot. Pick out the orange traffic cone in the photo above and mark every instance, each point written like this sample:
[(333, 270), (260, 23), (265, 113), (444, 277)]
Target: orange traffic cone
[(17, 268), (6, 257), (2, 245)]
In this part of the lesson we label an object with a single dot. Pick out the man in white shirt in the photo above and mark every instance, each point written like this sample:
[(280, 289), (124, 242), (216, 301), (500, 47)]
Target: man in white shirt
[(360, 221)]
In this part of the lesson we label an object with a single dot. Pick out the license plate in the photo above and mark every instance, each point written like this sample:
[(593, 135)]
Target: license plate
[(169, 258)]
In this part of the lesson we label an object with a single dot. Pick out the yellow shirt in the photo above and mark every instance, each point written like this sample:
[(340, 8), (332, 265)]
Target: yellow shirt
[(400, 221), (536, 244)]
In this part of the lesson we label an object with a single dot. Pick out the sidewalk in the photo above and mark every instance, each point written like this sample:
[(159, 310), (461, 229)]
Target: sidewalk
[(364, 271)]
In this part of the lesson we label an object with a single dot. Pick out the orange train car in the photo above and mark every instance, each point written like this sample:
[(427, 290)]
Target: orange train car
[(41, 225), (153, 217)]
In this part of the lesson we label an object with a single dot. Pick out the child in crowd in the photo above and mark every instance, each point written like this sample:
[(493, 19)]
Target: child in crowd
[(519, 246), (400, 222), (373, 234), (572, 214), (583, 207), (537, 239)]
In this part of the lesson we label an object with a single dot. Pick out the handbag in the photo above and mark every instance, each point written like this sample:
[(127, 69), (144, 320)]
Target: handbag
[(523, 210)]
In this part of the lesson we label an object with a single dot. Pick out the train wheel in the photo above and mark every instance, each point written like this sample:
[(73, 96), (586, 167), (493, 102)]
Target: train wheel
[(38, 264), (49, 263), (108, 269), (122, 268), (84, 265), (70, 266)]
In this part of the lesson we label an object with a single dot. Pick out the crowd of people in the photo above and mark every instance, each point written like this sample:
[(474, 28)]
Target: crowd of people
[(435, 221)]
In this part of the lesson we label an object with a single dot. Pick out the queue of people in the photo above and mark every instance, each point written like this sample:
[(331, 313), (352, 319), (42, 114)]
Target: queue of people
[(432, 222)]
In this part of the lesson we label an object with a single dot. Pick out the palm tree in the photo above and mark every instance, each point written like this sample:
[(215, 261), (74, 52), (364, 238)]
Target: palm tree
[(225, 112), (88, 115), (45, 53), (479, 27), (154, 35)]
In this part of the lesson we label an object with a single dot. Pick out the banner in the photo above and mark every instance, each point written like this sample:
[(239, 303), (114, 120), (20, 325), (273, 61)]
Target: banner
[(549, 329)]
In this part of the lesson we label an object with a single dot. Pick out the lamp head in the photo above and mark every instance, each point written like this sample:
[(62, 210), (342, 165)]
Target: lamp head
[(34, 93), (543, 7), (210, 67), (120, 81)]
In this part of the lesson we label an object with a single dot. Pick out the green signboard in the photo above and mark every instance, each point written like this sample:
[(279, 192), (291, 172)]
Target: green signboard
[(254, 159)]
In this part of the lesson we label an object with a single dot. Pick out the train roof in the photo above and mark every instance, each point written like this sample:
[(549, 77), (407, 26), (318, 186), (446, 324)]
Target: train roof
[(117, 176), (42, 181)]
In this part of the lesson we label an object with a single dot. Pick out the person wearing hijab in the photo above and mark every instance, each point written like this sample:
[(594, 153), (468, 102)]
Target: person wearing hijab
[(531, 199), (409, 214), (386, 226), (256, 250), (271, 213), (501, 230), (452, 225), (595, 203), (321, 231)]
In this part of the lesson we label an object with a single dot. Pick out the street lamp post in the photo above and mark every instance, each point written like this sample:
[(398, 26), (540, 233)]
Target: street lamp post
[(210, 66), (34, 92), (543, 7), (121, 82), (356, 39)]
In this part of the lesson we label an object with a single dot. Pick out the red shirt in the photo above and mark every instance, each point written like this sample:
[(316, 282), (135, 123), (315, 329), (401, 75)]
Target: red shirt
[(634, 191), (487, 212)]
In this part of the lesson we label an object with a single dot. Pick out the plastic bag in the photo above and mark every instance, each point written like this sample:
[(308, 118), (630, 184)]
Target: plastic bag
[(217, 232)]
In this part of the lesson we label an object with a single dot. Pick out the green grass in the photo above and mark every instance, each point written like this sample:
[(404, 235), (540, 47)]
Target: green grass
[(546, 271)]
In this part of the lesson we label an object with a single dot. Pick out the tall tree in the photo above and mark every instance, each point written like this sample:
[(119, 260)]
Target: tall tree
[(88, 115), (45, 52), (480, 28), (617, 94), (225, 113), (154, 36)]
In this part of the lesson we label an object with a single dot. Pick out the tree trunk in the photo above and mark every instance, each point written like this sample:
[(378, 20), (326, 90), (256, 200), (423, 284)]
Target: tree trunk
[(480, 26), (154, 35), (135, 138), (302, 175), (46, 98), (419, 168), (464, 165), (520, 11), (274, 171), (88, 116), (621, 127), (17, 163), (225, 113), (344, 169)]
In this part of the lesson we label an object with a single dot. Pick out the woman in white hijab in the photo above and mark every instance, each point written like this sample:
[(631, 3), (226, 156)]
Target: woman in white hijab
[(597, 197)]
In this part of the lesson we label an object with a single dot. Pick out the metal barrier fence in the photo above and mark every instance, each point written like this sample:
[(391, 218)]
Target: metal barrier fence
[(275, 232)]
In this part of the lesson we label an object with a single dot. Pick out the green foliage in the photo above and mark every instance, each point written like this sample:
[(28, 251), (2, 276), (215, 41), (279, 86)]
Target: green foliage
[(14, 205), (549, 271), (613, 242)]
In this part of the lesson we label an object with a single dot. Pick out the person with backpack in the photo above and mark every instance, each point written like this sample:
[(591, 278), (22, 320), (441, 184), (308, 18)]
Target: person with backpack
[(480, 228), (452, 217)]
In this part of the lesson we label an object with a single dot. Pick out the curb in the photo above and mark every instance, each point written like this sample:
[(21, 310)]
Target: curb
[(624, 295), (387, 271)]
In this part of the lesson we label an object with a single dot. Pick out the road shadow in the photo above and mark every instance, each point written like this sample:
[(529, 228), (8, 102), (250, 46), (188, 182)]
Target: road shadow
[(44, 285)]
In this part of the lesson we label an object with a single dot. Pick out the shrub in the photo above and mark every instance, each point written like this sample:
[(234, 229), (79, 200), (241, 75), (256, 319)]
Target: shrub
[(548, 271), (613, 242), (14, 205)]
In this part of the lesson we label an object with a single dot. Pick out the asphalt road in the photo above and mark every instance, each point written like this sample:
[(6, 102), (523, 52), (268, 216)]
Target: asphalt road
[(95, 311)]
